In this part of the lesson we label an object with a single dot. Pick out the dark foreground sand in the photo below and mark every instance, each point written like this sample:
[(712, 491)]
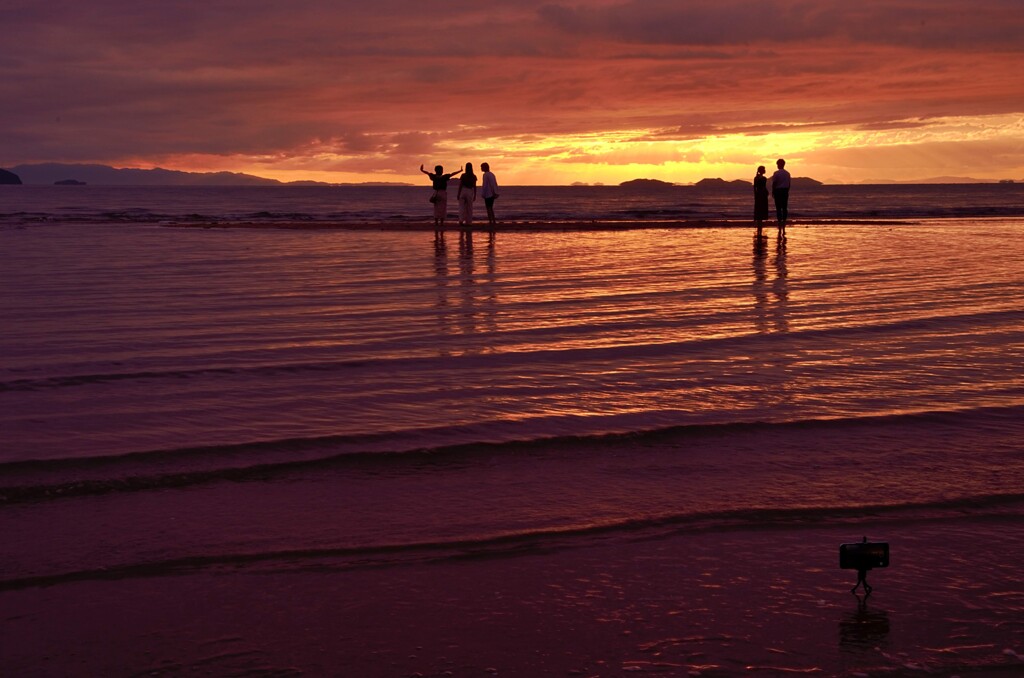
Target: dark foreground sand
[(722, 603)]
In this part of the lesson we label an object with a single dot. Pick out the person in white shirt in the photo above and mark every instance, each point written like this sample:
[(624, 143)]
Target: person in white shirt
[(780, 193), (489, 190)]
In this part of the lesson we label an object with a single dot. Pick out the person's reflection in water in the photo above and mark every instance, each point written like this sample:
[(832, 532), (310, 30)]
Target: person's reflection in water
[(771, 355), (864, 631), (780, 287), (489, 297), (468, 326), (760, 287), (441, 280), (467, 283)]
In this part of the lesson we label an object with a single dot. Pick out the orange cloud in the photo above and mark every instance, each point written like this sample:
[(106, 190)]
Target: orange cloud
[(552, 91)]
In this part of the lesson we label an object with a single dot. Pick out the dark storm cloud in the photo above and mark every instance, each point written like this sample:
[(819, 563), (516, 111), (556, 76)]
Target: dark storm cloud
[(112, 77), (939, 24)]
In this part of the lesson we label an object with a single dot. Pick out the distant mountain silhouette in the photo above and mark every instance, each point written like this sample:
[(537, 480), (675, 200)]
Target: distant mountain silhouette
[(9, 177), (104, 175)]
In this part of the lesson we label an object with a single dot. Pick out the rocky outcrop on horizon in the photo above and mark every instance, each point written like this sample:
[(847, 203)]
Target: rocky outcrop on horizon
[(721, 183), (9, 178)]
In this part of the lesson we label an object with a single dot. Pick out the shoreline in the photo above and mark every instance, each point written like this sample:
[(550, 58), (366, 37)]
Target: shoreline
[(533, 226)]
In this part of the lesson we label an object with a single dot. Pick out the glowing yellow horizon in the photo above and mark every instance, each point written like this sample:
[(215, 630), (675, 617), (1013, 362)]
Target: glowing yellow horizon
[(960, 146)]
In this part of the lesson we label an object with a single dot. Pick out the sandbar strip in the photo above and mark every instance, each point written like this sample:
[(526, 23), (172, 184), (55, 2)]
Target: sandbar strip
[(525, 226)]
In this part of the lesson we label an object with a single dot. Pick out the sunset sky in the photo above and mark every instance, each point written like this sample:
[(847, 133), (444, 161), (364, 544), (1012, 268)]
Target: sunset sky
[(547, 91)]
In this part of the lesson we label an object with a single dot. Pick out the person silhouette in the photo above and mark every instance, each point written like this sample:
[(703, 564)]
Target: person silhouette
[(489, 191), (439, 181), (760, 199), (466, 196), (781, 182)]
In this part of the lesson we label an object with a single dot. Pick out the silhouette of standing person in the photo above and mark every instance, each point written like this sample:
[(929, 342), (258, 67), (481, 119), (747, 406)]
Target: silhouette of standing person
[(780, 193), (440, 197), (490, 192), (466, 196), (760, 199)]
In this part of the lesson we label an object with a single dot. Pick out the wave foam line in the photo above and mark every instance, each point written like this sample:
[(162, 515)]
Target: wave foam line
[(969, 321), (263, 459)]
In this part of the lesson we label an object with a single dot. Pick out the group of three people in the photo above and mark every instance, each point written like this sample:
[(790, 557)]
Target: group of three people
[(781, 183), (466, 195)]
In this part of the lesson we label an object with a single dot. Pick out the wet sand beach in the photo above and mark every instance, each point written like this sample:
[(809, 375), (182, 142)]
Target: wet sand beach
[(768, 602)]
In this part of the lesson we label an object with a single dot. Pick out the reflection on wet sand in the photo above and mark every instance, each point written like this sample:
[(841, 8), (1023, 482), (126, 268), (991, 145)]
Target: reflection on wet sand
[(865, 630)]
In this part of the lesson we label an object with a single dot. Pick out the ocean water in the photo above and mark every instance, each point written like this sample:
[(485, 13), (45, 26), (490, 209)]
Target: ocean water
[(276, 400), (405, 204)]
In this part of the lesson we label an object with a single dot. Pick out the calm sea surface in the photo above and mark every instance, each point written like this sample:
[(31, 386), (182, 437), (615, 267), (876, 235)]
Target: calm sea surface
[(166, 204), (310, 395)]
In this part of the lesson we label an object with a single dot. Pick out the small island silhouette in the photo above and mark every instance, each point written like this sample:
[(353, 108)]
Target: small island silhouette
[(715, 183), (646, 184), (9, 178), (721, 183)]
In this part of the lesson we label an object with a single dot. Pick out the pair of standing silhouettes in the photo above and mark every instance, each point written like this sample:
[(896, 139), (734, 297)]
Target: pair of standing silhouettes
[(781, 183), (466, 195)]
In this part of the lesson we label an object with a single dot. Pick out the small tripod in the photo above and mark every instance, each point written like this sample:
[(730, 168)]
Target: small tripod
[(862, 578), (863, 557)]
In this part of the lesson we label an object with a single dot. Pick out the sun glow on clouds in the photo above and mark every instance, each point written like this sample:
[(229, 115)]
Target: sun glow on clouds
[(547, 91), (953, 146)]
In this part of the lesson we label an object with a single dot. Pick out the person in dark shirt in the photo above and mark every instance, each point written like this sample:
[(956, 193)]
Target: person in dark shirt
[(466, 196), (760, 199), (439, 180)]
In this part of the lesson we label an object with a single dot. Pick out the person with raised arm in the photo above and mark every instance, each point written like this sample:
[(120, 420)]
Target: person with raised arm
[(439, 180)]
